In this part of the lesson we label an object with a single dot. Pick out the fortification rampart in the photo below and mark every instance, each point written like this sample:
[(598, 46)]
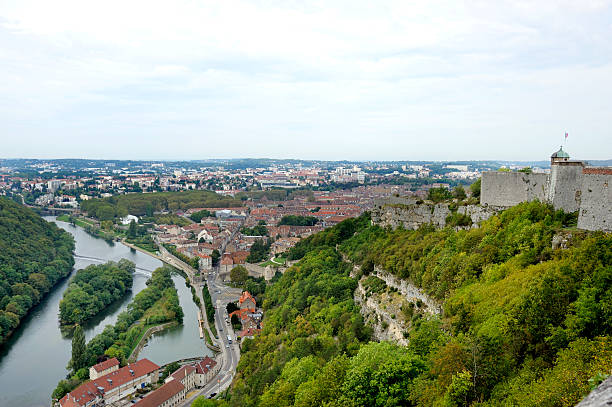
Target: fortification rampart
[(565, 185), (570, 186), (596, 201), (505, 189)]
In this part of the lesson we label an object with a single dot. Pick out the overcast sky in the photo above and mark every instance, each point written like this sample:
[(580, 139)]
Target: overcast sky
[(396, 80)]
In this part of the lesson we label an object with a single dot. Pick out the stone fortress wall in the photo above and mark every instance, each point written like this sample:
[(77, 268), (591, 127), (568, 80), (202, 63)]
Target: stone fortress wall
[(596, 200), (570, 186), (504, 189)]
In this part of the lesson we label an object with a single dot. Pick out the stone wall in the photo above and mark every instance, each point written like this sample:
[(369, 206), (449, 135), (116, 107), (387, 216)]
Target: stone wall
[(411, 216), (570, 187), (596, 202), (565, 185), (505, 189)]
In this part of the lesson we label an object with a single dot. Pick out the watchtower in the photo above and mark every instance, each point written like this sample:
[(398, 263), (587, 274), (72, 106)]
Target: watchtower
[(565, 182)]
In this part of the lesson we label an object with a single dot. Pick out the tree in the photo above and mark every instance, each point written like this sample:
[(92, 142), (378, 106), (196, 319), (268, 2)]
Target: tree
[(459, 192), (132, 230), (236, 324), (203, 402), (475, 188), (438, 194), (78, 349), (459, 390), (239, 274), (215, 255)]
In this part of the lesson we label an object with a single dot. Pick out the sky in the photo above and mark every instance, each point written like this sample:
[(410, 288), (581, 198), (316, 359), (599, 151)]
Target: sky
[(332, 80)]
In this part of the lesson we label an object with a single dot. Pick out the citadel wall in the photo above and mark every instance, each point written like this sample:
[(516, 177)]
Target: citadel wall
[(566, 185), (596, 200), (504, 189)]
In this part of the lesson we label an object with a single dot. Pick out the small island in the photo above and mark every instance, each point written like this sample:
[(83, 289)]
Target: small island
[(93, 289)]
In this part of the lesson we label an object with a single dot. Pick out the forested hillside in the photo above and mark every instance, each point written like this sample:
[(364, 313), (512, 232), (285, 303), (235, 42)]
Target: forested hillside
[(34, 255), (146, 204), (523, 324), (93, 289)]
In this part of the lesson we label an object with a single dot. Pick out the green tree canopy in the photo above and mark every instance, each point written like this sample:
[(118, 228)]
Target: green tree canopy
[(239, 274)]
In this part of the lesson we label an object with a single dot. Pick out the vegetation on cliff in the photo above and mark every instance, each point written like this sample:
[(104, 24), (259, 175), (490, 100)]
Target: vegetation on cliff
[(34, 256), (523, 324), (93, 289)]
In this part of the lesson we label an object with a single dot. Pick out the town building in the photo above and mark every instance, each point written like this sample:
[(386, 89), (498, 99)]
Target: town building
[(206, 369), (112, 386), (186, 375), (171, 394), (103, 368)]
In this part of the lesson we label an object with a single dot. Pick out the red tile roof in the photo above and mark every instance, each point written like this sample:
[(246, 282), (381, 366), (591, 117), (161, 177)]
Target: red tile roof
[(598, 171), (203, 366), (159, 396), (245, 296), (90, 390), (107, 364), (183, 372)]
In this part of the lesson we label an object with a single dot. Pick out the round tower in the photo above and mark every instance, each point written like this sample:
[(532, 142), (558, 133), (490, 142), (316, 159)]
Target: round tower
[(565, 182)]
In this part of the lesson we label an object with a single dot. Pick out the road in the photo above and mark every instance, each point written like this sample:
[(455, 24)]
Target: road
[(221, 295)]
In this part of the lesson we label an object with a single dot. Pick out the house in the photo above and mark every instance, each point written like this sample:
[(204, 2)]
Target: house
[(247, 301), (206, 369), (240, 256), (103, 368), (227, 264), (112, 386), (204, 262), (205, 236), (172, 393), (248, 333), (186, 375)]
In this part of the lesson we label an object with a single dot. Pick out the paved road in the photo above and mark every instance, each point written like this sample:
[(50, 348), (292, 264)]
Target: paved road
[(221, 295)]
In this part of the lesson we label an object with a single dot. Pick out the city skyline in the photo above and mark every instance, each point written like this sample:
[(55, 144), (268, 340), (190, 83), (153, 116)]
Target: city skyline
[(341, 81)]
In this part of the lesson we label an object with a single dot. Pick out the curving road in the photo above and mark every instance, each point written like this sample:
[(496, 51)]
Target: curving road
[(221, 295)]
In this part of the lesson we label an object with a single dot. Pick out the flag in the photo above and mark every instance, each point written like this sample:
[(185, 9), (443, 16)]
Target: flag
[(566, 135)]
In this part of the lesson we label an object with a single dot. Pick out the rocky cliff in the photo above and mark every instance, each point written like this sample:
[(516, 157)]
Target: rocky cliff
[(411, 214)]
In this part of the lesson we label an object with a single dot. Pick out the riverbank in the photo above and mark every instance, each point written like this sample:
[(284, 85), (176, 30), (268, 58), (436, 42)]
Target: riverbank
[(140, 249), (39, 337), (145, 337)]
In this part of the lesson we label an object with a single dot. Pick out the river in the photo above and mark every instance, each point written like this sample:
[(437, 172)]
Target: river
[(34, 359)]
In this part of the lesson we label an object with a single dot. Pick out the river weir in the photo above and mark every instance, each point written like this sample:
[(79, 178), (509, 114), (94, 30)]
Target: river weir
[(34, 359)]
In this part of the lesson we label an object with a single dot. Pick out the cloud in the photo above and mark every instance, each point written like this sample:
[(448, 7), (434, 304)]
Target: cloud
[(341, 79)]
